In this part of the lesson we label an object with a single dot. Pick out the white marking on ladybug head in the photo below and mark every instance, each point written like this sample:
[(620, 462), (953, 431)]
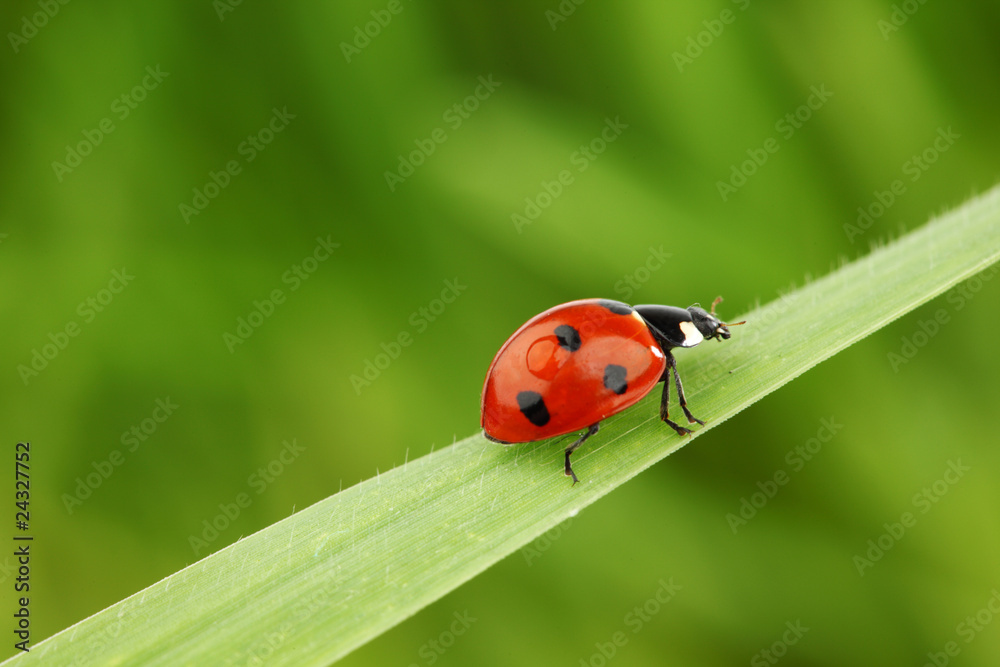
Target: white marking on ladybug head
[(691, 334)]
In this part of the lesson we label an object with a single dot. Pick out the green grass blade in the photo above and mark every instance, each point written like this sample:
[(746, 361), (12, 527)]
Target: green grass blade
[(320, 583)]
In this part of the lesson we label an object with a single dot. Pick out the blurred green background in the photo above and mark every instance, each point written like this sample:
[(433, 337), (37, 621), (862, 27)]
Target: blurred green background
[(277, 125)]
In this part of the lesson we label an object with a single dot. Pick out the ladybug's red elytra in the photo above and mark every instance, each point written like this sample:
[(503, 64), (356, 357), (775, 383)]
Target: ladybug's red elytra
[(578, 363)]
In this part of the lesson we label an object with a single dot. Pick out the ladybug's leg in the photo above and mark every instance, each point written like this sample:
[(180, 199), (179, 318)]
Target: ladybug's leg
[(672, 363), (569, 450), (665, 399)]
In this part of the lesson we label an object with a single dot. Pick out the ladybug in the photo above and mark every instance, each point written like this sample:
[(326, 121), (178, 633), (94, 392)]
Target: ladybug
[(578, 363)]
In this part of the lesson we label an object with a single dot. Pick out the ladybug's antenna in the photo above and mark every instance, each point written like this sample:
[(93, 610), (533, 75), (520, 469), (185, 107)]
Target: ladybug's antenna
[(715, 303)]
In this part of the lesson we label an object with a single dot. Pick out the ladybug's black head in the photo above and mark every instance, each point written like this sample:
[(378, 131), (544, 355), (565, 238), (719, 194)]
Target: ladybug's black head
[(708, 324), (683, 327)]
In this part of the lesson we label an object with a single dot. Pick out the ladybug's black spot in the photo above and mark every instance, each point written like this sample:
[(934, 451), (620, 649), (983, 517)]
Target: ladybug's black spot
[(533, 407), (614, 378), (569, 337), (616, 307)]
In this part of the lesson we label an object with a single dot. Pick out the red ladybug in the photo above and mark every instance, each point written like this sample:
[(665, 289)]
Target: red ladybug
[(578, 363)]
